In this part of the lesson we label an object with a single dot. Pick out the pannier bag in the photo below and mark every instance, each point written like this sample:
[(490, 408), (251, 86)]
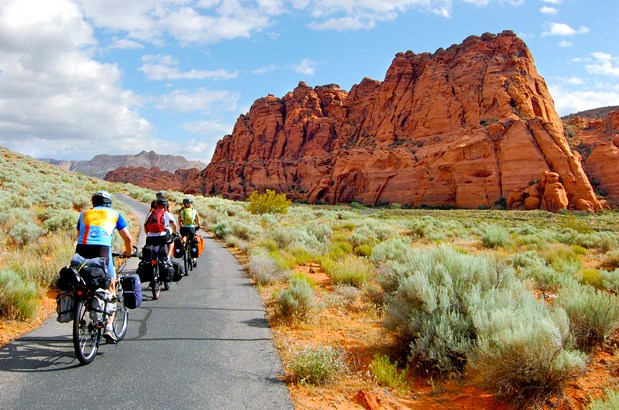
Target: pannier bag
[(69, 279), (93, 271), (132, 290), (166, 272), (197, 246), (65, 302), (179, 271), (145, 271), (102, 305), (178, 248)]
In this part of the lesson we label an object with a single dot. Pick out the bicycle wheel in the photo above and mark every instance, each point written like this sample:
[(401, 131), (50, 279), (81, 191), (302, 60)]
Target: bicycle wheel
[(121, 317), (86, 335), (186, 261), (156, 288)]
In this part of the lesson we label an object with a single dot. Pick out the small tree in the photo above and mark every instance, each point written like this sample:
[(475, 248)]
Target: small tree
[(268, 203)]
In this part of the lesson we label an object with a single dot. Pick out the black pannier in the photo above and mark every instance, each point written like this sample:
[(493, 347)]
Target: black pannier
[(179, 249), (93, 271), (179, 271), (150, 252), (132, 290)]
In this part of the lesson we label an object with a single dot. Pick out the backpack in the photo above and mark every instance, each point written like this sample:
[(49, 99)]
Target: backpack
[(187, 216), (65, 302), (155, 222)]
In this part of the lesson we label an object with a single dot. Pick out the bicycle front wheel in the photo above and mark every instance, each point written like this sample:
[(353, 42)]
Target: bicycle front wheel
[(85, 334), (121, 317)]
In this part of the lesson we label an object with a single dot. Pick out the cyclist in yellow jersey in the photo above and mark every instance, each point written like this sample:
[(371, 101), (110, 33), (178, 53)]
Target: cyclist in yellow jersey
[(188, 219)]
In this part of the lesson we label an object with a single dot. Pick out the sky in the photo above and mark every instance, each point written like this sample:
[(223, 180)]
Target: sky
[(80, 78)]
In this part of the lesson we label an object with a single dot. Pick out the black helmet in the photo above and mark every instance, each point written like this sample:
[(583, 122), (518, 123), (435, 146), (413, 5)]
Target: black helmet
[(101, 198), (187, 201), (159, 194), (162, 201)]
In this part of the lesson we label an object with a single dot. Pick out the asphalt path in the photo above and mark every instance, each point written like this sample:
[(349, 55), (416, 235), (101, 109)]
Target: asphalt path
[(205, 344)]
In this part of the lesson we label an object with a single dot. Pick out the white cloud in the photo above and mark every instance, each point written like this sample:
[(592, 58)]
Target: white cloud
[(125, 44), (604, 64), (569, 100), (565, 43), (552, 1), (165, 67), (305, 67), (54, 96), (560, 29), (208, 128), (200, 99), (548, 10)]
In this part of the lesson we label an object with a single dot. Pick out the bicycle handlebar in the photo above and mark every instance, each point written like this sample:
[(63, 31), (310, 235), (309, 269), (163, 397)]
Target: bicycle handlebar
[(122, 255)]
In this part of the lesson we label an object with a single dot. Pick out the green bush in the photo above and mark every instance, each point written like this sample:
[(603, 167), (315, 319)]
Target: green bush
[(268, 203), (350, 270), (610, 403), (495, 237), (521, 353), (19, 299), (295, 302), (317, 365), (387, 373), (593, 315)]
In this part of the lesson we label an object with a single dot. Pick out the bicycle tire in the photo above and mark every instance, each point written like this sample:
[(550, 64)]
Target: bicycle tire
[(156, 289), (186, 262), (121, 317), (86, 335)]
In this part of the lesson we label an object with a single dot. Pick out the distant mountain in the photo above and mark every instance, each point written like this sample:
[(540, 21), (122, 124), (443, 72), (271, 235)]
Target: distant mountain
[(100, 165), (594, 113)]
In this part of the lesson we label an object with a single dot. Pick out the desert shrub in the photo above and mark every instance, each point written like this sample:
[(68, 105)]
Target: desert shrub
[(317, 365), (593, 315), (295, 302), (432, 305), (321, 231), (592, 277), (339, 250), (363, 250), (611, 259), (387, 372), (284, 236), (305, 277), (25, 233), (268, 203), (361, 236), (610, 279), (245, 230), (350, 270), (521, 353), (610, 403), (604, 241), (301, 255), (263, 269), (19, 299), (222, 228), (495, 237), (578, 224), (61, 219), (395, 249)]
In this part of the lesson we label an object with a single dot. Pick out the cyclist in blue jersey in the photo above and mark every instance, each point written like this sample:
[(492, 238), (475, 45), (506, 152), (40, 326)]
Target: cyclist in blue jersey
[(95, 230)]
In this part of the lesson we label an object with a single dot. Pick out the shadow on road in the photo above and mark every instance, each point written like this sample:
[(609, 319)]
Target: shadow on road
[(38, 354)]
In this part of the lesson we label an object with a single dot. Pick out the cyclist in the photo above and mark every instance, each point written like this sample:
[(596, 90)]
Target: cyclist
[(153, 204), (189, 220), (95, 230), (157, 226)]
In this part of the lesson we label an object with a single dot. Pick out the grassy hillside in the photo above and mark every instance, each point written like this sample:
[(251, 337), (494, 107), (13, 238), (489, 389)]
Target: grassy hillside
[(39, 208)]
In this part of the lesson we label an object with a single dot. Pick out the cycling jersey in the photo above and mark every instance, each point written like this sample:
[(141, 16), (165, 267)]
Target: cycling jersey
[(96, 226)]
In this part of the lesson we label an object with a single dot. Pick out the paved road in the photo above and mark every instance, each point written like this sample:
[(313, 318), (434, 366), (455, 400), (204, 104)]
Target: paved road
[(205, 344)]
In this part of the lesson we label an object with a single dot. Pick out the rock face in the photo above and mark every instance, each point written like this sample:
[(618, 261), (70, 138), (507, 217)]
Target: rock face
[(461, 127), (100, 165), (597, 139), (153, 178)]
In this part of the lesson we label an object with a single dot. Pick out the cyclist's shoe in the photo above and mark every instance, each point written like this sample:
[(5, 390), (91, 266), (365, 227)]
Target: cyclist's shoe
[(195, 263), (109, 336)]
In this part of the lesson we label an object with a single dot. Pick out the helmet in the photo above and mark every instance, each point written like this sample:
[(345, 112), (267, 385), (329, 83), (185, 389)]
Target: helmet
[(187, 201), (159, 194), (101, 198), (162, 201)]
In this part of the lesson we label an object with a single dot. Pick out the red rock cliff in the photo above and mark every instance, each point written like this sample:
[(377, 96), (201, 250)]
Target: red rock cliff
[(153, 178), (461, 127)]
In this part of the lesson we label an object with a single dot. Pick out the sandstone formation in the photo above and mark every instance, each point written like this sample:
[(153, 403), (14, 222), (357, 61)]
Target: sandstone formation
[(153, 178), (100, 165), (598, 141), (462, 127)]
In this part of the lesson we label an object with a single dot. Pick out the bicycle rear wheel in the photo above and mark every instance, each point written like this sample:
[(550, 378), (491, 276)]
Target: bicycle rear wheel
[(121, 317), (86, 335)]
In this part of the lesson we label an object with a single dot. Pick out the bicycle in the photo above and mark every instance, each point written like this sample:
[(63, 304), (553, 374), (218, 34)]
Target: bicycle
[(189, 262), (89, 321), (153, 268)]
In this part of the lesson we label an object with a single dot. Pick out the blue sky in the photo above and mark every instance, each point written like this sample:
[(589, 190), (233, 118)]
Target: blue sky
[(85, 77)]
